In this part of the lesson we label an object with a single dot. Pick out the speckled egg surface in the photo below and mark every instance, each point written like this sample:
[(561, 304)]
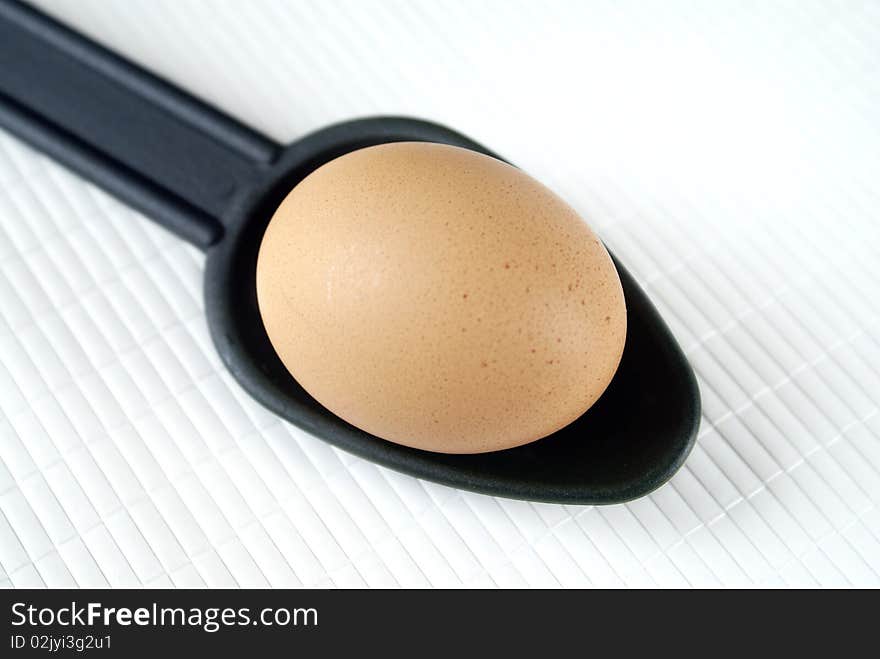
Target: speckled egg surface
[(439, 298)]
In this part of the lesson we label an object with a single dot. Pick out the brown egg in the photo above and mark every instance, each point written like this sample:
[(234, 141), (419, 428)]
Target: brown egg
[(439, 298)]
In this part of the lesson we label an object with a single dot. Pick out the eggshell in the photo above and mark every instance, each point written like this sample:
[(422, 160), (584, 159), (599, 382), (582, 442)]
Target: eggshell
[(439, 298)]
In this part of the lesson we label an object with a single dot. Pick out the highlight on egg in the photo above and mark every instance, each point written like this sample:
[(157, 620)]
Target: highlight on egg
[(439, 298)]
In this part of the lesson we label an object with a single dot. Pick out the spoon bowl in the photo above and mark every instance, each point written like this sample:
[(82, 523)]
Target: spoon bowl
[(627, 444)]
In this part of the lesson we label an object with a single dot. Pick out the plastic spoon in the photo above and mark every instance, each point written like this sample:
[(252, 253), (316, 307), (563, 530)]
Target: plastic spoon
[(216, 183)]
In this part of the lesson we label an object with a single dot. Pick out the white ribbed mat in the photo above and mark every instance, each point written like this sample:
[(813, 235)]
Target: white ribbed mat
[(729, 153)]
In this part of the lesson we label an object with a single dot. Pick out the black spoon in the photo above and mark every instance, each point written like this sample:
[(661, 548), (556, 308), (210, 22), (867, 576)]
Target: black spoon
[(217, 183)]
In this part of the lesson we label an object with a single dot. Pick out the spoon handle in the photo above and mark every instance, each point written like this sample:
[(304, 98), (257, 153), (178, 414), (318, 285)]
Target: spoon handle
[(160, 150)]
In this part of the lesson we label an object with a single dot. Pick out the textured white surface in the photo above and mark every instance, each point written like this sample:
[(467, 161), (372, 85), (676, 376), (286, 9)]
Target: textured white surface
[(728, 152)]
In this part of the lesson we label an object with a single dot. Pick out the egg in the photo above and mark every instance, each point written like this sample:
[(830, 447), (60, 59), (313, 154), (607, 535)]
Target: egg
[(440, 298)]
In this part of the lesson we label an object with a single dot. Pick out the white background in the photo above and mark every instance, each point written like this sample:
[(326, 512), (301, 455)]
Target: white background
[(728, 152)]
